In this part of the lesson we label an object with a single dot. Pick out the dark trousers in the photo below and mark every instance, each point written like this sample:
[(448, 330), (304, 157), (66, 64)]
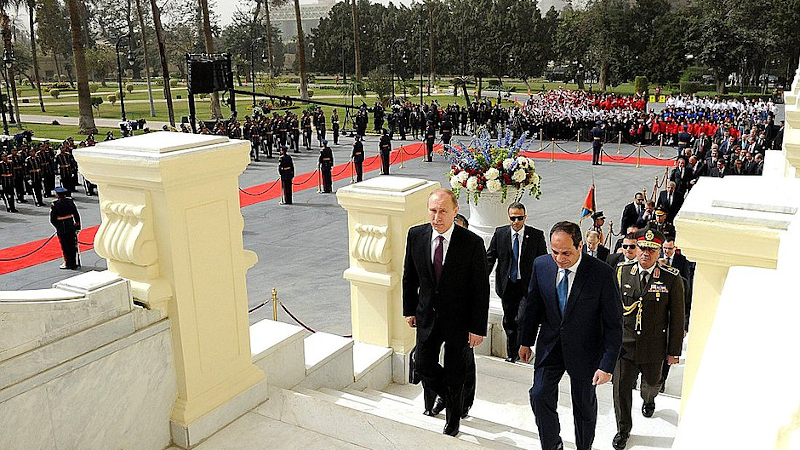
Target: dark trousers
[(625, 374), (255, 143), (336, 134), (8, 195), (446, 139), (359, 170), (429, 150), (286, 190), (385, 162), (327, 182), (67, 182), (270, 143), (448, 381), (596, 147), (36, 189), (295, 141), (49, 183), (307, 138), (468, 394), (544, 400), (19, 186), (511, 299), (67, 237)]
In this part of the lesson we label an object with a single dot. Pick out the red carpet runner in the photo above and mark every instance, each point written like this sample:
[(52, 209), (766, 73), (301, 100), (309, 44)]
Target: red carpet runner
[(270, 191)]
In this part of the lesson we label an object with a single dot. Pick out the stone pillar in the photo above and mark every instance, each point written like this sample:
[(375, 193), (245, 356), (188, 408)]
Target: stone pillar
[(725, 222), (379, 213), (171, 224)]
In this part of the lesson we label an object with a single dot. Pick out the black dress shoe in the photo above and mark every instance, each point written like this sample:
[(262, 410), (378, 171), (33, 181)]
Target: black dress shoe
[(428, 413), (451, 429), (438, 406), (511, 359), (648, 409), (662, 388), (620, 441), (465, 413)]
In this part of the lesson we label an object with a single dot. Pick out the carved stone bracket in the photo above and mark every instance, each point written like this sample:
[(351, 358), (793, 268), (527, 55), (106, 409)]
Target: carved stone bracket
[(126, 235), (372, 244)]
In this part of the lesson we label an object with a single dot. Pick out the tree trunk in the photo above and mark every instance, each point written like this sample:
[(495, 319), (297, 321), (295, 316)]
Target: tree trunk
[(432, 75), (162, 53), (208, 40), (301, 52), (480, 88), (6, 23), (85, 116), (31, 11), (146, 59), (603, 80), (356, 40), (270, 55), (58, 67)]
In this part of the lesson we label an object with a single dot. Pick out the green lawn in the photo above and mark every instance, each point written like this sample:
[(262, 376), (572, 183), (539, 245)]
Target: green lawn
[(61, 132)]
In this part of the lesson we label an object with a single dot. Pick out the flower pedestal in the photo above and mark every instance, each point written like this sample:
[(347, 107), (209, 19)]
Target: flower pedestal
[(484, 217)]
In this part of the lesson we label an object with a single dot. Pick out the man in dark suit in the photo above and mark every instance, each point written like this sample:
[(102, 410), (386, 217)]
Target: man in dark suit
[(446, 298), (593, 247), (514, 248), (682, 176), (670, 201), (358, 157), (633, 211), (573, 305), (627, 253), (719, 170)]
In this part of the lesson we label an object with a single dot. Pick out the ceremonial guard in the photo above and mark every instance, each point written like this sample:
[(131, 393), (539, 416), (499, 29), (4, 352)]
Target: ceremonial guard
[(18, 162), (597, 143), (48, 172), (598, 220), (335, 126), (358, 157), (281, 127), (653, 320), (320, 125), (295, 127), (305, 122), (447, 130), (385, 148), (64, 162), (286, 171), (33, 166), (7, 182), (430, 138), (325, 166), (67, 222)]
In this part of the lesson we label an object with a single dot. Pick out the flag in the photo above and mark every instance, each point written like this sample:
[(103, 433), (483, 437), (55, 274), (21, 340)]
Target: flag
[(589, 206)]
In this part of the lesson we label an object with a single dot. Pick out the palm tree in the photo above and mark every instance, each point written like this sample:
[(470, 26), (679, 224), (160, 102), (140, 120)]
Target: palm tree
[(31, 9), (146, 59), (208, 40), (162, 53), (85, 117), (270, 51), (301, 52), (5, 27), (356, 41)]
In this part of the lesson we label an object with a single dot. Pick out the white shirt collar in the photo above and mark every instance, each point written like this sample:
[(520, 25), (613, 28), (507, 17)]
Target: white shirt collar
[(574, 267), (447, 234), (649, 271)]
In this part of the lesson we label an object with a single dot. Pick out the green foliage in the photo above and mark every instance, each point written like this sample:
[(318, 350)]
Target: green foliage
[(173, 82), (97, 101), (640, 84), (378, 81), (112, 98), (130, 87), (55, 92), (690, 87), (94, 87), (353, 88)]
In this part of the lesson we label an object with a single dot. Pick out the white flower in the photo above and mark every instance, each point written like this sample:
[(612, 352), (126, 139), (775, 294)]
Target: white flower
[(535, 179), (455, 183), (507, 163), (472, 183), (492, 174), (522, 161), (518, 176), (531, 164), (463, 175), (494, 185)]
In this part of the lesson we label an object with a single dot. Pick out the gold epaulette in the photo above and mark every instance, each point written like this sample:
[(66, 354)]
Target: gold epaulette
[(668, 268)]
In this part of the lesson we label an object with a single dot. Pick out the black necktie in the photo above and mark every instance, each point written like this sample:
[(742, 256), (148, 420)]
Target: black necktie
[(644, 281), (438, 258)]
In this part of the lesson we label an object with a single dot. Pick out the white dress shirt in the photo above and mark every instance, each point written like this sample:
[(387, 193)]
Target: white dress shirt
[(521, 234), (446, 242), (570, 271)]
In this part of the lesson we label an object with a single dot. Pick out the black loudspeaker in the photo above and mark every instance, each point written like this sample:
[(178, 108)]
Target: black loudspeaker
[(202, 77)]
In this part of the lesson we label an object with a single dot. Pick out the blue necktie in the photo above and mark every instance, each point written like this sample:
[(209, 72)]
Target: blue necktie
[(563, 290), (514, 273)]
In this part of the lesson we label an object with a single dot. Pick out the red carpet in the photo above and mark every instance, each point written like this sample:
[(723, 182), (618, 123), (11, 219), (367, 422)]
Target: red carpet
[(269, 191)]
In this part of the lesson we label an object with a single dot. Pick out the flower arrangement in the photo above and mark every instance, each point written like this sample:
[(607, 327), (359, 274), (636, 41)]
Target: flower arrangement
[(487, 165)]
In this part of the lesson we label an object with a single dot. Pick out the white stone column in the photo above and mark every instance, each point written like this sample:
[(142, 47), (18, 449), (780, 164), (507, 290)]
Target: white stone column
[(380, 211), (171, 224)]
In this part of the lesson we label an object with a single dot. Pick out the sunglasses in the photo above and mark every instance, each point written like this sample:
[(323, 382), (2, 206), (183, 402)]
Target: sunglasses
[(516, 218), (629, 246)]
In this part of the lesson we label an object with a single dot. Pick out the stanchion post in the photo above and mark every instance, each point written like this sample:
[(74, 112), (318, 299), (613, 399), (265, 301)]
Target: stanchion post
[(401, 157), (352, 168), (661, 146), (579, 141), (553, 150), (638, 156), (274, 304), (619, 143), (541, 139)]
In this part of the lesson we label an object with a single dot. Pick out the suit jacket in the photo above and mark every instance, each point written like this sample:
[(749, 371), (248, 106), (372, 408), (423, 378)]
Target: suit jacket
[(629, 216), (590, 332), (681, 182), (602, 252), (672, 208), (615, 258), (460, 301), (533, 246)]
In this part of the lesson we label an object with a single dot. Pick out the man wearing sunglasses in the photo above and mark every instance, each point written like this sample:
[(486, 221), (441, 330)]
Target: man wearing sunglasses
[(514, 247), (653, 313), (628, 253)]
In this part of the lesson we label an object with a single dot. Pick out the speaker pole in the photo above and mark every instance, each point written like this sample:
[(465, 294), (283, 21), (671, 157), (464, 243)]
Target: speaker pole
[(192, 112)]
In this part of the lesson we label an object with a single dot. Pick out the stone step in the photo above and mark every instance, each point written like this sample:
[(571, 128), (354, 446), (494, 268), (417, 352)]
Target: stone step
[(277, 348), (372, 366), (328, 361)]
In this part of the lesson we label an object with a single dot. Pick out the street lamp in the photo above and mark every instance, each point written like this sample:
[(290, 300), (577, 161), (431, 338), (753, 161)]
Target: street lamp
[(502, 67), (391, 60), (8, 63), (131, 59), (253, 66)]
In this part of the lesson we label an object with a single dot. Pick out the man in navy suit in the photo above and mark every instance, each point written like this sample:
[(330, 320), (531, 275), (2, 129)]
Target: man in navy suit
[(514, 247), (573, 305), (446, 298)]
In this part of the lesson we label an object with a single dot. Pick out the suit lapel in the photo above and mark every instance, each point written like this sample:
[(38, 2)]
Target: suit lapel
[(577, 285), (525, 240), (452, 251), (426, 250)]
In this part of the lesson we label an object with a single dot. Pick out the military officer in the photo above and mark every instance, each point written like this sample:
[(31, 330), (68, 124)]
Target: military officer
[(653, 313), (325, 166), (447, 130), (67, 221), (597, 143), (335, 126), (33, 166), (385, 148), (7, 182), (358, 157), (430, 138), (18, 162), (64, 161), (286, 171), (598, 220)]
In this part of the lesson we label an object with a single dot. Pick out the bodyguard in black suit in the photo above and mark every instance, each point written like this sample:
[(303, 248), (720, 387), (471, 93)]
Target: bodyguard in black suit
[(385, 148), (573, 305), (632, 212), (446, 297), (358, 157), (514, 248), (670, 201)]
